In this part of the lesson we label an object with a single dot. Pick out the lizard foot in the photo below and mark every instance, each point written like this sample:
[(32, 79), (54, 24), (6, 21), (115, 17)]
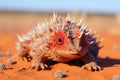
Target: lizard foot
[(38, 66), (92, 66), (28, 58)]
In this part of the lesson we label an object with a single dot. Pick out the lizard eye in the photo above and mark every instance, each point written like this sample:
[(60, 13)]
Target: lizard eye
[(59, 39)]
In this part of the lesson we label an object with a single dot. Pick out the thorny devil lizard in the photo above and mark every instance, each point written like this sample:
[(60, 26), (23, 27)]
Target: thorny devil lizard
[(60, 40)]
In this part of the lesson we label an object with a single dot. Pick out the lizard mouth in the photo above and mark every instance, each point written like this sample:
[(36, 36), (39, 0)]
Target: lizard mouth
[(76, 52), (79, 51)]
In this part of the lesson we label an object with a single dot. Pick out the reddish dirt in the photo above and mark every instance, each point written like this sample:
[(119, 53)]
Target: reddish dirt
[(109, 59)]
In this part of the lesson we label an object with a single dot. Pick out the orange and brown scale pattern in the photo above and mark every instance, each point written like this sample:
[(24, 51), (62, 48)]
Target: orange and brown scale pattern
[(60, 40)]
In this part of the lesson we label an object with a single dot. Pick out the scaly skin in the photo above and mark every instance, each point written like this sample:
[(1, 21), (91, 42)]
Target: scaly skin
[(61, 41)]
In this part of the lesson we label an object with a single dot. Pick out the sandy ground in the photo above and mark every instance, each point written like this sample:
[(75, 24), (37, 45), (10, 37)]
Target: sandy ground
[(106, 26)]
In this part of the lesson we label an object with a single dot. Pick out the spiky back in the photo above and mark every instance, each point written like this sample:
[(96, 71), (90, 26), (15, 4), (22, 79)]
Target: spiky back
[(41, 37)]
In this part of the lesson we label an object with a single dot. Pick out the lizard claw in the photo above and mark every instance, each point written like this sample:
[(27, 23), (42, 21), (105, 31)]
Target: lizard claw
[(38, 66), (92, 66)]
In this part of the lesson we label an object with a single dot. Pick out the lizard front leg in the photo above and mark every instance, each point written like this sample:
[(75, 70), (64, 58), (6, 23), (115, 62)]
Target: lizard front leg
[(38, 62), (38, 65), (90, 63)]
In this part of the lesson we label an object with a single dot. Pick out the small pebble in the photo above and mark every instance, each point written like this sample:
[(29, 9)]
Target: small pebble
[(8, 54), (116, 77), (10, 61), (1, 54), (59, 74), (2, 66)]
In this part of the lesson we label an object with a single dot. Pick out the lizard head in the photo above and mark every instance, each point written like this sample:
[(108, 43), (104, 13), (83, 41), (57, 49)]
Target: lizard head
[(68, 38)]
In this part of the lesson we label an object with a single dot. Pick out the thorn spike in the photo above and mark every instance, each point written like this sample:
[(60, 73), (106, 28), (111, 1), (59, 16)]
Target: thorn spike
[(81, 27), (101, 47), (87, 33), (91, 42), (81, 33), (97, 36), (62, 27), (68, 33), (17, 43), (79, 23), (101, 39), (54, 18), (20, 38), (84, 27), (68, 17)]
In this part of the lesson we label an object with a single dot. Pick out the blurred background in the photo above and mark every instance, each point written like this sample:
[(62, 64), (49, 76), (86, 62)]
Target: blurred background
[(19, 16)]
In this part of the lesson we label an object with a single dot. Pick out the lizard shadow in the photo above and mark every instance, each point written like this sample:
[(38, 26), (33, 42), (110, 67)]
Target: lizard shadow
[(108, 62), (103, 62)]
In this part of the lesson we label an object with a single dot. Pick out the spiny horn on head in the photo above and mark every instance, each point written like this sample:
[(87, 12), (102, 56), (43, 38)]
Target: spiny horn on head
[(79, 23), (68, 32), (67, 18), (81, 34), (62, 27), (54, 18), (83, 27)]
